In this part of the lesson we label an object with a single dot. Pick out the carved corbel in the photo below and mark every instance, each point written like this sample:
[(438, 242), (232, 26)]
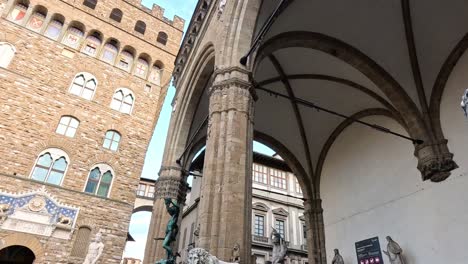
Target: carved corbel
[(435, 162)]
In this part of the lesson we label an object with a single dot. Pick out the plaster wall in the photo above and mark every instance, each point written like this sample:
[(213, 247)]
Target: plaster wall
[(370, 187)]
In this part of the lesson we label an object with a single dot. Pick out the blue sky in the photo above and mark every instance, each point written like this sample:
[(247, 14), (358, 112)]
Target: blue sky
[(139, 223)]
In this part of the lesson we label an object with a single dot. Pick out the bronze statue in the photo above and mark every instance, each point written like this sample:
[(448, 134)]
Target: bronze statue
[(394, 252), (171, 231)]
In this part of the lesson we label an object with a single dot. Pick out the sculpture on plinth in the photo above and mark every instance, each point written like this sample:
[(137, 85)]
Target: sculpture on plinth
[(337, 259), (173, 209), (94, 250), (279, 248), (464, 102), (394, 252), (201, 256), (236, 253)]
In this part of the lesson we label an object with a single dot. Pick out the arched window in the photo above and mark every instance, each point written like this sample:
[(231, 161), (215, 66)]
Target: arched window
[(99, 180), (18, 13), (156, 74), (67, 126), (7, 52), (80, 247), (141, 69), (116, 15), (84, 85), (140, 27), (92, 44), (90, 3), (73, 37), (110, 52), (37, 19), (125, 61), (53, 29), (50, 166), (123, 101), (112, 140), (162, 38)]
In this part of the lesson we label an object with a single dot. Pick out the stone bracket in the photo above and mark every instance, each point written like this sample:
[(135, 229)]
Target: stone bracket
[(435, 162)]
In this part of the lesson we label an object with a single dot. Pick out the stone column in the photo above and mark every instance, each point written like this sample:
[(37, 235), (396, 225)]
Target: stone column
[(226, 194), (170, 184), (313, 214)]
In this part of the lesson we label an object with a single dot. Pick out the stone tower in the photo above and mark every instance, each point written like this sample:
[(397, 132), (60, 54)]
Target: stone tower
[(82, 85)]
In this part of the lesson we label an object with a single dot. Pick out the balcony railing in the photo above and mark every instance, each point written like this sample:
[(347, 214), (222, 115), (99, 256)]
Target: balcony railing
[(260, 239)]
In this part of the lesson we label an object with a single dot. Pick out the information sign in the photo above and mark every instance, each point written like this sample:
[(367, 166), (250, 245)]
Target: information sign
[(368, 251)]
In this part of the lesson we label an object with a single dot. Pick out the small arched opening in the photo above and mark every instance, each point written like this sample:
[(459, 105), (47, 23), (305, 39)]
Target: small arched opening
[(17, 255)]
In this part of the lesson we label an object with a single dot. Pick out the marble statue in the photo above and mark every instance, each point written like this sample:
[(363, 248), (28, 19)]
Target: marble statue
[(94, 250), (196, 233), (236, 253), (64, 220), (173, 209), (279, 248), (464, 102), (4, 208), (201, 256), (221, 6), (337, 259), (394, 252)]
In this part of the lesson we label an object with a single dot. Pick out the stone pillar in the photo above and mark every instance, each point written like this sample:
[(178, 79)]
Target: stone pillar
[(171, 184), (313, 214), (226, 192)]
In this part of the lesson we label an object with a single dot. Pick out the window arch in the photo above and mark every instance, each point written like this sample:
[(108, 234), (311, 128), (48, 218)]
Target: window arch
[(99, 180), (110, 51), (92, 44), (140, 27), (73, 37), (90, 3), (116, 15), (18, 13), (162, 38), (125, 60), (111, 140), (51, 166), (123, 100), (7, 52), (36, 21), (84, 85), (156, 73), (80, 247), (67, 126), (54, 28), (141, 69)]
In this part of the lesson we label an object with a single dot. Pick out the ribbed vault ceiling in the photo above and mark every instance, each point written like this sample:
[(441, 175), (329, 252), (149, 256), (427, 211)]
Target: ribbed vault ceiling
[(407, 41)]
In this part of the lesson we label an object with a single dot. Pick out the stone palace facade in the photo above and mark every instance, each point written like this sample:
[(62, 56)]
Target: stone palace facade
[(82, 84), (365, 101)]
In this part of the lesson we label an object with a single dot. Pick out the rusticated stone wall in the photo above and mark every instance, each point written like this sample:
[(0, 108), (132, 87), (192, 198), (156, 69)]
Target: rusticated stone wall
[(35, 94)]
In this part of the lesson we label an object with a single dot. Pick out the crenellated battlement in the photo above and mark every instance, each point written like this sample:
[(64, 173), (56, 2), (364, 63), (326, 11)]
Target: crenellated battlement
[(158, 12)]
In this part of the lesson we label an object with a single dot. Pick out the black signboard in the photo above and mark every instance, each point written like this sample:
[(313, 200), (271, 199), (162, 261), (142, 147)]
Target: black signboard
[(368, 251)]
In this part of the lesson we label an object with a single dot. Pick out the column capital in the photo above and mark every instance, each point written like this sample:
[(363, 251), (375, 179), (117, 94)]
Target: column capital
[(171, 187), (234, 76)]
